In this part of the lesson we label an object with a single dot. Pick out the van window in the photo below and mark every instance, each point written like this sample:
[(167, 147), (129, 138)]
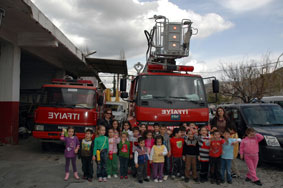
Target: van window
[(279, 102), (263, 115)]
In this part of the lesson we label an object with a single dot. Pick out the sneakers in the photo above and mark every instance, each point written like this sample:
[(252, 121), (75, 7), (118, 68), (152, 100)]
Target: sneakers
[(173, 177), (230, 182), (105, 179), (84, 177), (140, 181), (218, 182), (109, 176), (89, 179), (160, 181), (247, 179), (196, 180), (258, 182), (115, 176), (100, 179), (147, 180), (148, 177), (121, 177), (182, 177), (76, 175), (126, 177), (67, 176), (202, 180), (234, 176), (165, 177), (156, 180)]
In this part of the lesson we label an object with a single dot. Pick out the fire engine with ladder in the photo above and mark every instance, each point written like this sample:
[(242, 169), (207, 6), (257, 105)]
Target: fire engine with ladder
[(164, 92)]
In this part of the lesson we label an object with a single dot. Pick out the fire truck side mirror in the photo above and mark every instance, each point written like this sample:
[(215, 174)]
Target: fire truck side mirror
[(124, 95), (123, 84), (215, 86), (100, 101)]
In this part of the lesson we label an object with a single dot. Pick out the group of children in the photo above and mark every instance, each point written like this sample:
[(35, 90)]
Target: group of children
[(157, 154)]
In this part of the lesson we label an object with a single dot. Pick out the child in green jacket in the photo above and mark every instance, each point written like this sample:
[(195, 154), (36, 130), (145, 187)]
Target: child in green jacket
[(100, 153)]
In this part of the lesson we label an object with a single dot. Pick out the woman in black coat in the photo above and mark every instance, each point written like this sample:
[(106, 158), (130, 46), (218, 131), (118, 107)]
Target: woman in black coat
[(220, 121)]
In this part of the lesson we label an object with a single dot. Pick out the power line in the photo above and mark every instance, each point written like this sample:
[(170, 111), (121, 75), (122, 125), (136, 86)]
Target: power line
[(257, 66), (218, 70)]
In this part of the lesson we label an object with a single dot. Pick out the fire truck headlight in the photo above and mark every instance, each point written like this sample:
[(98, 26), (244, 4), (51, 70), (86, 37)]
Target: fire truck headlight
[(39, 127)]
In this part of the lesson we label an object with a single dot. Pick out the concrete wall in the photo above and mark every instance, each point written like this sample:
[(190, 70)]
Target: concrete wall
[(9, 92), (35, 72)]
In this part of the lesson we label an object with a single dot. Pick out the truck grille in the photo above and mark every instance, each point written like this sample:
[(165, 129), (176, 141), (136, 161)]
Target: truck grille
[(51, 128)]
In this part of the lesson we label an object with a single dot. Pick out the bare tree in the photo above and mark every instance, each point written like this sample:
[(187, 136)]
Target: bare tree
[(248, 79)]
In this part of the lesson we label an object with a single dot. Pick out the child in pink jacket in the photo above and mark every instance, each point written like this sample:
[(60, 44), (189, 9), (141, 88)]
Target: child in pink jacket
[(249, 151)]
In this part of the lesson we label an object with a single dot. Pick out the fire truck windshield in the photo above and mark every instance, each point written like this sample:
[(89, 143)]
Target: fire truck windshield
[(183, 91), (68, 97)]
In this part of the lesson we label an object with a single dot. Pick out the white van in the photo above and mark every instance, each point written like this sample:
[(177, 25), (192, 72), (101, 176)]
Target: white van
[(273, 99), (119, 110)]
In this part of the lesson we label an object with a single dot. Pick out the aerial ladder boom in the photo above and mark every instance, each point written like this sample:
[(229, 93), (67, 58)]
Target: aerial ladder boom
[(168, 41)]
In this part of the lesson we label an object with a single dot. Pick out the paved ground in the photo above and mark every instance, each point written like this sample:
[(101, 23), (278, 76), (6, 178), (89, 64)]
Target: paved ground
[(26, 166)]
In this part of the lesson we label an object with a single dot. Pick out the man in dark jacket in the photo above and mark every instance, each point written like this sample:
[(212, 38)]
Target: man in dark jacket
[(107, 120)]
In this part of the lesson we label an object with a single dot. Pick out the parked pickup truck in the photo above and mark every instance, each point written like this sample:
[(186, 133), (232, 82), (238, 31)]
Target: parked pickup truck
[(266, 119)]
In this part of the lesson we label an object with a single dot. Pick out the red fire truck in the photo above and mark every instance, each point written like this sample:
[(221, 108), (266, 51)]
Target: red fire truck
[(165, 92), (64, 103)]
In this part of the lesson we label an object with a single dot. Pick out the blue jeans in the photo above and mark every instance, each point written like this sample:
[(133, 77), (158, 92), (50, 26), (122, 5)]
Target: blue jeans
[(124, 166), (167, 166), (226, 166), (101, 165)]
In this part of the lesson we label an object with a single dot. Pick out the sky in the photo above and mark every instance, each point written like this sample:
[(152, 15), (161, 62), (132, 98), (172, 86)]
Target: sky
[(229, 31)]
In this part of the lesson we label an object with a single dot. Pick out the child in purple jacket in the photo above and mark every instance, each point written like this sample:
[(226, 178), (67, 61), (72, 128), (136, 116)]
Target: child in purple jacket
[(72, 147)]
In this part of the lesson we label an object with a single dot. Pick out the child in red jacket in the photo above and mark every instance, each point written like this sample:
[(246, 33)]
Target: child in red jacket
[(177, 143), (215, 153)]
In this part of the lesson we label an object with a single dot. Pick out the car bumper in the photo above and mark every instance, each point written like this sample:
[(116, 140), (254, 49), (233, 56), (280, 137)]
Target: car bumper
[(49, 135), (271, 154)]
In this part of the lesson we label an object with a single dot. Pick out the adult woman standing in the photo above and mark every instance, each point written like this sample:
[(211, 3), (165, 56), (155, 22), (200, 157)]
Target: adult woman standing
[(220, 121)]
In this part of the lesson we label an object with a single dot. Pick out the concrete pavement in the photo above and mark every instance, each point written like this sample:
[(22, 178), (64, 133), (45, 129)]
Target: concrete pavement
[(26, 166)]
